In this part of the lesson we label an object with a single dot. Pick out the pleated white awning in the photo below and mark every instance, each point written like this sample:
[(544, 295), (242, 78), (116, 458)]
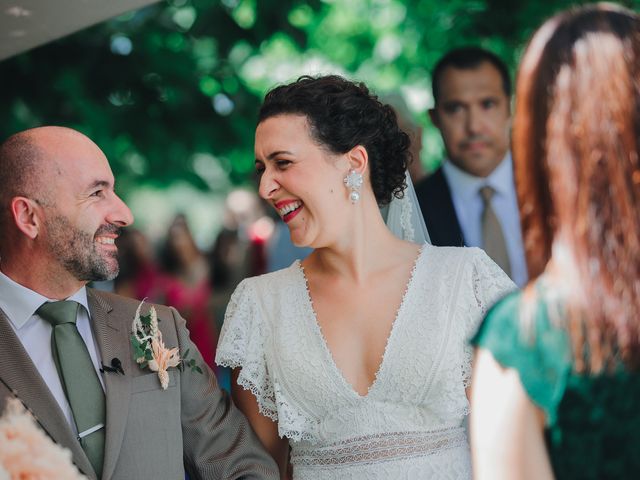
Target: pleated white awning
[(25, 24)]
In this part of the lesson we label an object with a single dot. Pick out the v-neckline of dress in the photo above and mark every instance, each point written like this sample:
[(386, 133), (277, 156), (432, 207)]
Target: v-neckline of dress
[(315, 326)]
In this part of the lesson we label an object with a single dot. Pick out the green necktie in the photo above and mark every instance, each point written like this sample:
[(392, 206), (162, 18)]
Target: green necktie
[(79, 379)]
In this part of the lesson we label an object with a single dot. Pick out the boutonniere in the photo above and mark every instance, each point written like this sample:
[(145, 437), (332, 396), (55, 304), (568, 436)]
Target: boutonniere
[(149, 349)]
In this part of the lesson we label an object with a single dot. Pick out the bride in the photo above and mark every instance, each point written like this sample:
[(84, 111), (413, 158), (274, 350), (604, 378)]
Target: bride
[(356, 357)]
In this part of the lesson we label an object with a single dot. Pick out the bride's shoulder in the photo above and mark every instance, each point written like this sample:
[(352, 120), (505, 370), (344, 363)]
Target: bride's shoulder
[(467, 261), (268, 292), (274, 280), (466, 254)]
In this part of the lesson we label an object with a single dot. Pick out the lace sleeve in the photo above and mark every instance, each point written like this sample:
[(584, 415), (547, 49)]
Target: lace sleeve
[(490, 284), (241, 345)]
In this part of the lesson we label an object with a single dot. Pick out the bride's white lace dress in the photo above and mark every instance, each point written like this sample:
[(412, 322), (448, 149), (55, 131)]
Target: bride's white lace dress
[(409, 423)]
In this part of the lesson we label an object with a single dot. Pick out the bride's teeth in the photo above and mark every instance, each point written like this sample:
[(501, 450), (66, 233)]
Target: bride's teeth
[(289, 208)]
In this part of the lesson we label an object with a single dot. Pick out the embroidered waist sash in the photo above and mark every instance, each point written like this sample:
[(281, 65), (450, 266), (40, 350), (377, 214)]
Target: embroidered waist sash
[(379, 447)]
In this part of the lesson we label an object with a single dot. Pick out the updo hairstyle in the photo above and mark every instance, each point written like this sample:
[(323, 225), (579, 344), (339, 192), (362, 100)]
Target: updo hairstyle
[(342, 114)]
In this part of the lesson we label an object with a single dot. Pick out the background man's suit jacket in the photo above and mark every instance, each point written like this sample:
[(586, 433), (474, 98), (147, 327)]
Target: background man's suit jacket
[(434, 197), (150, 433)]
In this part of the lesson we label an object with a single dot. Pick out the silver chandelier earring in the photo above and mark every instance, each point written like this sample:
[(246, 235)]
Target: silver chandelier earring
[(353, 182)]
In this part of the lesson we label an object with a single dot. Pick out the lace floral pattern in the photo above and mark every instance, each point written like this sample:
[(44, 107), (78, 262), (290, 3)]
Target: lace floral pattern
[(373, 448), (244, 348), (405, 220), (271, 332)]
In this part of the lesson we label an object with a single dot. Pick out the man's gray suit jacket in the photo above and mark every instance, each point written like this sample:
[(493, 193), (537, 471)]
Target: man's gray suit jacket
[(151, 433)]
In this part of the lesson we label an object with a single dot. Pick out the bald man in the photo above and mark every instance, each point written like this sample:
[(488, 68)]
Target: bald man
[(59, 218)]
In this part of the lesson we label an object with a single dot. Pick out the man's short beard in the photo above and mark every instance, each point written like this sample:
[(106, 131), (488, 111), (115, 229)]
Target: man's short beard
[(76, 250)]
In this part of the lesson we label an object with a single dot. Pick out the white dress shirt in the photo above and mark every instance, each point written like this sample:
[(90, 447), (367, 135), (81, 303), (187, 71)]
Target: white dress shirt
[(19, 304), (465, 193)]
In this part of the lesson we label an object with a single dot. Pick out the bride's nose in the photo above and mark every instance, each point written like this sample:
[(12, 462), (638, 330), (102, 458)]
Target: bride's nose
[(268, 185)]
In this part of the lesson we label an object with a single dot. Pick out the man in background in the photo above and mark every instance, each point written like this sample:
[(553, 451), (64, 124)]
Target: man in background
[(471, 199)]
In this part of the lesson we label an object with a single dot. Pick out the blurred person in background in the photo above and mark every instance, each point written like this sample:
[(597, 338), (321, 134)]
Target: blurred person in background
[(187, 285), (237, 253), (471, 199), (229, 259), (556, 383), (139, 275), (413, 129)]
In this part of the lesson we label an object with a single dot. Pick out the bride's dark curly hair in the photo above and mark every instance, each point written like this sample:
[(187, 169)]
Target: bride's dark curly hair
[(343, 114)]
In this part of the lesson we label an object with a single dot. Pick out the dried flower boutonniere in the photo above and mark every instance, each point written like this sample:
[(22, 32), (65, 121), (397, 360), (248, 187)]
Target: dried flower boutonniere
[(149, 349)]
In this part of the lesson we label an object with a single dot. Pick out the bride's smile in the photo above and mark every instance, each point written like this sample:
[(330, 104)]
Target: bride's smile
[(288, 209), (299, 179)]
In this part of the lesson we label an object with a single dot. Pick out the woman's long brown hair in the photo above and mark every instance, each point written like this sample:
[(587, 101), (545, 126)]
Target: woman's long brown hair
[(575, 144)]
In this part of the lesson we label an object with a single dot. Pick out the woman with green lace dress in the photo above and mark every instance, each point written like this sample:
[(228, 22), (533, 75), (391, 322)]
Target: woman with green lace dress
[(556, 383)]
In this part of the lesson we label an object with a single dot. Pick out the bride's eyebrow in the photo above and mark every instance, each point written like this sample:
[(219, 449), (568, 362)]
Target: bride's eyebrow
[(273, 155)]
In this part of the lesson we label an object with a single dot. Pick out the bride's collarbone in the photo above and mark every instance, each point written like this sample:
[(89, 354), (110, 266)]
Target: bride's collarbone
[(347, 303), (374, 301)]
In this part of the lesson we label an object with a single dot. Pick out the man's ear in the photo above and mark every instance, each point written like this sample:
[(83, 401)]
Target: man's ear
[(358, 158), (25, 216), (433, 115)]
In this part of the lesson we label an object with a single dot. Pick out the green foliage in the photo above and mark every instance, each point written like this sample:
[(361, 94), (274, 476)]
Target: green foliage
[(189, 363), (143, 86), (167, 86), (145, 320), (138, 350)]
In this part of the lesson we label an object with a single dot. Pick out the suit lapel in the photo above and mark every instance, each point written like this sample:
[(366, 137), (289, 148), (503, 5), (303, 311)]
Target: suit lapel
[(20, 374), (439, 212), (113, 342)]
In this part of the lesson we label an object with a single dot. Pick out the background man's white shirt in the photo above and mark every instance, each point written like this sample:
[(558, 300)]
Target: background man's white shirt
[(465, 193), (19, 304)]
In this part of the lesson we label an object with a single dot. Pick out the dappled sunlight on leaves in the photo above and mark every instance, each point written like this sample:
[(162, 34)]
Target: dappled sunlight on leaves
[(171, 92)]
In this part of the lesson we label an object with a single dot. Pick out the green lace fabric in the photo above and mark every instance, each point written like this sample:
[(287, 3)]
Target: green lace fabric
[(592, 421)]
